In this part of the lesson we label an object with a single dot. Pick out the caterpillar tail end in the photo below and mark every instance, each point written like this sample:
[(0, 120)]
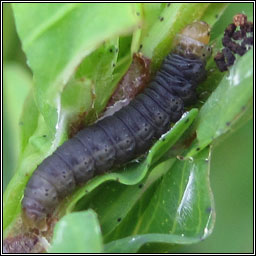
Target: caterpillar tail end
[(34, 220)]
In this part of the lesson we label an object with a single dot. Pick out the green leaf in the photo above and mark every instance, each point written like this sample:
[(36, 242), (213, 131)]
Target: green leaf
[(28, 121), (119, 200), (151, 13), (187, 207), (39, 145), (181, 206), (133, 243), (77, 232), (99, 68), (64, 34), (227, 104), (234, 91), (158, 41), (214, 12), (17, 83), (17, 86)]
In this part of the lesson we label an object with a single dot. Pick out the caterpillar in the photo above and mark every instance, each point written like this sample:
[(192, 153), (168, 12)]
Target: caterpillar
[(126, 134)]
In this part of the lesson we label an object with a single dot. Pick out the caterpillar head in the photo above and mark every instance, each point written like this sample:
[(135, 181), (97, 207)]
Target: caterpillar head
[(193, 41)]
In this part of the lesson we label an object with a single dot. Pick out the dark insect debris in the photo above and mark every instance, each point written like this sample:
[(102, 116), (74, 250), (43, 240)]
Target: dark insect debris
[(238, 37), (141, 185), (208, 209)]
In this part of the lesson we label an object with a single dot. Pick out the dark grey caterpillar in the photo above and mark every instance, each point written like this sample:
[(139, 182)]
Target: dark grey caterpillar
[(126, 134)]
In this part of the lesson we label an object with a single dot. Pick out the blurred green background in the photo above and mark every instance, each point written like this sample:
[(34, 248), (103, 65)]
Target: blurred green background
[(231, 166)]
